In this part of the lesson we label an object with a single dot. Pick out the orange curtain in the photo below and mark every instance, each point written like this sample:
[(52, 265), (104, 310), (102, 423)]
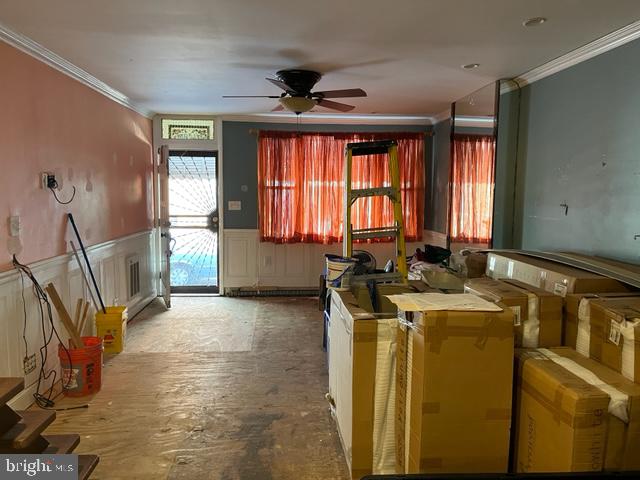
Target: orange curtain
[(300, 185), (472, 182)]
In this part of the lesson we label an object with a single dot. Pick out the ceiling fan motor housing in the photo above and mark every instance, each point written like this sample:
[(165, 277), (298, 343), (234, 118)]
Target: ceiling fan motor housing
[(300, 81)]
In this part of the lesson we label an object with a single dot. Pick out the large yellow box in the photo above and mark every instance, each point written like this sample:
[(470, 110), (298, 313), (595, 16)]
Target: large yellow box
[(112, 328)]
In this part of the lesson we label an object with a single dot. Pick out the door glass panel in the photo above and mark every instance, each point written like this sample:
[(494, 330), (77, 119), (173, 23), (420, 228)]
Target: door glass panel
[(193, 212)]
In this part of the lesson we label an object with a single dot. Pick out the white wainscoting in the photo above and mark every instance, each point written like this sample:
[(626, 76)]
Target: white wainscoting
[(251, 263), (108, 261)]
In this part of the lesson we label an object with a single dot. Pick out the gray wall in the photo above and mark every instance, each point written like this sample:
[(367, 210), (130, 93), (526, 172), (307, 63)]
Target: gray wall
[(579, 144), (505, 175), (436, 206), (240, 157)]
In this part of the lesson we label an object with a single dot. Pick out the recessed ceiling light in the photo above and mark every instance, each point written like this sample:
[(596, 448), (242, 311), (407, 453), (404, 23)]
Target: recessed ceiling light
[(470, 66), (534, 22)]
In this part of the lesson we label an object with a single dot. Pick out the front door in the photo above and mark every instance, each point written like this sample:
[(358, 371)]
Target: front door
[(194, 217)]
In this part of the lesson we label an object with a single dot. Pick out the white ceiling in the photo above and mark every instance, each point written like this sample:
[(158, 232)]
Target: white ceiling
[(181, 56)]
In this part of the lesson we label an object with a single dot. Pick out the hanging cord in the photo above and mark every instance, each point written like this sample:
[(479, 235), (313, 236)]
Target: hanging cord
[(73, 195), (44, 401), (52, 184)]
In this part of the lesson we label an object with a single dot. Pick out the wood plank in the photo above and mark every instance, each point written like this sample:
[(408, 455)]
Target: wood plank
[(86, 465), (23, 433), (76, 315), (9, 388), (64, 315), (84, 318), (61, 444)]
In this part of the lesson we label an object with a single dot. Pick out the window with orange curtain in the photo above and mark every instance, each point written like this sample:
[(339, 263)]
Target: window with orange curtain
[(472, 182), (301, 179)]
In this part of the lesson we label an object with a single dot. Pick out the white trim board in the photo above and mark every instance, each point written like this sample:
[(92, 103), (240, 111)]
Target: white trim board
[(592, 49), (33, 48)]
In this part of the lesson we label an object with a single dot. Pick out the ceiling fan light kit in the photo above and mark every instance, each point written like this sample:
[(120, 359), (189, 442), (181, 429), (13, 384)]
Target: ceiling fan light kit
[(297, 105), (298, 97)]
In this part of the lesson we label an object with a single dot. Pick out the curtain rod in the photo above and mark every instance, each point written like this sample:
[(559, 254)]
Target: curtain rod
[(255, 131)]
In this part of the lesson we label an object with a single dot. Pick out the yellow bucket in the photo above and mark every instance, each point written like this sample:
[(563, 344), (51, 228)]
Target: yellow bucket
[(112, 328)]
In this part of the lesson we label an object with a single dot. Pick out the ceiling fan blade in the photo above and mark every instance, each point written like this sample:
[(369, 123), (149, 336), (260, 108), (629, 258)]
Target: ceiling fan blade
[(280, 84), (348, 93), (342, 107), (277, 108), (251, 96)]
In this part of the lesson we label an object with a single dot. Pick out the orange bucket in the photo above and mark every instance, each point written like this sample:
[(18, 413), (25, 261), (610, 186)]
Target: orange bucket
[(84, 375)]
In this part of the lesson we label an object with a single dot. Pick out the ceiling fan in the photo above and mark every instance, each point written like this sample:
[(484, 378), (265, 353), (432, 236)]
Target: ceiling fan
[(298, 97)]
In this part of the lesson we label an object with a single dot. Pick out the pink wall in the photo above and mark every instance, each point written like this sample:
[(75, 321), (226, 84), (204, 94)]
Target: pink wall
[(50, 122)]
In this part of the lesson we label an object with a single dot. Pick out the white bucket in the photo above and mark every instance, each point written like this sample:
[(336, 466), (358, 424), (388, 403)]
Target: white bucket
[(338, 269)]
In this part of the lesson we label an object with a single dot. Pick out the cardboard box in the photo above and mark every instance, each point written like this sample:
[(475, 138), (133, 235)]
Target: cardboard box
[(362, 384), (565, 423), (615, 334), (454, 387), (383, 305), (443, 280), (550, 276), (471, 265), (538, 313), (577, 314)]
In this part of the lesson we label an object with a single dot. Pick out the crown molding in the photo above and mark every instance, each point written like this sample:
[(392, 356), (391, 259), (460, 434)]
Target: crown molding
[(597, 47), (37, 51), (335, 119)]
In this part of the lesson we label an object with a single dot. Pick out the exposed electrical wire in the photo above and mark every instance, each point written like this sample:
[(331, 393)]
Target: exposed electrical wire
[(45, 401), (73, 195), (24, 310)]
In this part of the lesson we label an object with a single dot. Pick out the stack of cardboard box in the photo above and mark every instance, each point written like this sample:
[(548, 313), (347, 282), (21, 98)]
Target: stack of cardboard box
[(575, 407), (419, 387)]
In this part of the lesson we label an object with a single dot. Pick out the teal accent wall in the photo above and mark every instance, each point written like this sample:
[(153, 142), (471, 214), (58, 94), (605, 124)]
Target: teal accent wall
[(505, 174), (240, 157), (579, 145)]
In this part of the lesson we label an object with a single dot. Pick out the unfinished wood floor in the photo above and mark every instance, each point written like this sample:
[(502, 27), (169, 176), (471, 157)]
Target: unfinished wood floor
[(215, 388)]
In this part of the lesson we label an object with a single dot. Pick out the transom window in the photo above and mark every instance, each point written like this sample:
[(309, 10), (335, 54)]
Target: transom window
[(187, 129)]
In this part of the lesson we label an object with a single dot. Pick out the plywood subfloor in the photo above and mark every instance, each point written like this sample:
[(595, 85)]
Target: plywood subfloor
[(215, 388)]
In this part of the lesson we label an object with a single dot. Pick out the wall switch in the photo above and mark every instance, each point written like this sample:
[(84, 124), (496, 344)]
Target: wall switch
[(14, 225), (234, 205)]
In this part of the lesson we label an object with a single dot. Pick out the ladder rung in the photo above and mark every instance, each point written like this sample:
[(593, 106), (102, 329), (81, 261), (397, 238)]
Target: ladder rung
[(370, 148), (373, 192), (375, 232)]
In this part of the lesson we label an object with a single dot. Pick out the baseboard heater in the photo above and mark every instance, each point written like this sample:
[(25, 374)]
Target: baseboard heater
[(271, 292)]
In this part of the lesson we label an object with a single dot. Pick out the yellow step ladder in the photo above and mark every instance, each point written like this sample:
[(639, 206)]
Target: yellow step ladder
[(390, 148)]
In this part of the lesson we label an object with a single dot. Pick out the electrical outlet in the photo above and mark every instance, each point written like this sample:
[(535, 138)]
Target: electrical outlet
[(29, 364), (48, 180)]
